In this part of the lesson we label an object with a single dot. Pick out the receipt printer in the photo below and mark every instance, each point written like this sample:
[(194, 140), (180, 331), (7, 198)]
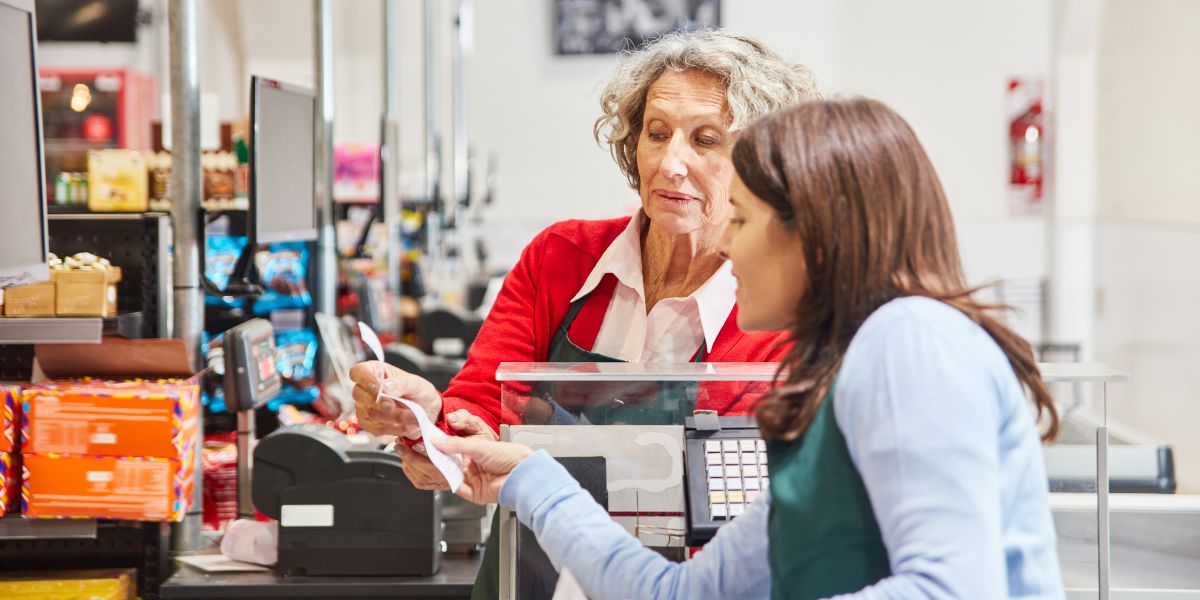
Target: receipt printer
[(344, 508)]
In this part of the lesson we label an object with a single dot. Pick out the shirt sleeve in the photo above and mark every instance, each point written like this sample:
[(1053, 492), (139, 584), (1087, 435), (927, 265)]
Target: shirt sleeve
[(507, 334), (920, 412), (577, 534)]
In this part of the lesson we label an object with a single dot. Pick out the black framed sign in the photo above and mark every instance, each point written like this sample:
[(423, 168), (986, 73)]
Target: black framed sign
[(607, 26)]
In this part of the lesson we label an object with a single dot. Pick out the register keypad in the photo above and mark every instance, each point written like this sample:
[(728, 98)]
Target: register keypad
[(737, 473)]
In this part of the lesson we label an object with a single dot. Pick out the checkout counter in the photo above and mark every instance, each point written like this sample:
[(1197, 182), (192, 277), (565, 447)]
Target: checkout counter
[(646, 441), (350, 525)]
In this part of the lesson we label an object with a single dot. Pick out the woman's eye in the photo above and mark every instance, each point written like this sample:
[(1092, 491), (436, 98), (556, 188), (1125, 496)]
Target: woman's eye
[(707, 142), (657, 136)]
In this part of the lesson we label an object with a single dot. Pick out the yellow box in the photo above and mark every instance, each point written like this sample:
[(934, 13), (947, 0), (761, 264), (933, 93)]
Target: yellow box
[(90, 293), (30, 300), (94, 584), (117, 181)]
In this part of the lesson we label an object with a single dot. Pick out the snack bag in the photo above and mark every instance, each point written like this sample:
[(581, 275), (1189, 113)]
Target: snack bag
[(284, 273), (296, 359), (221, 254)]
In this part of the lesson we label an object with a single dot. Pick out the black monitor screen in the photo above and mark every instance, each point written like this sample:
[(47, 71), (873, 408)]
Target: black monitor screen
[(282, 193), (87, 20), (22, 193)]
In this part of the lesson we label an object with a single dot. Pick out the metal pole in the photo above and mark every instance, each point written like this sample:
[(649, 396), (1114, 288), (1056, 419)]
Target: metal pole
[(186, 183), (323, 172), (390, 150), (462, 42), (1049, 325), (245, 454), (433, 142), (1103, 533)]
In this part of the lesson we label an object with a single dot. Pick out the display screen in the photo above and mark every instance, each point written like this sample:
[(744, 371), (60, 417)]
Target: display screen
[(23, 228), (87, 20), (283, 195), (264, 356)]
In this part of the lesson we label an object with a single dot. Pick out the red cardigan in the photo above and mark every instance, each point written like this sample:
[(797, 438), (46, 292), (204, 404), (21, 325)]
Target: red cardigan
[(534, 301)]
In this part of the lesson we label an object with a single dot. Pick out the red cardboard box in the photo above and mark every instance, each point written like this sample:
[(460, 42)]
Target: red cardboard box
[(133, 488), (106, 418)]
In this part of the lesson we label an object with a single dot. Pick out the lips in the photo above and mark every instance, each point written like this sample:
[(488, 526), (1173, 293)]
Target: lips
[(674, 196)]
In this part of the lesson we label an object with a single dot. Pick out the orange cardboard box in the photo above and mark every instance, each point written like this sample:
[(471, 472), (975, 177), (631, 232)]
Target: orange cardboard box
[(10, 482), (10, 415), (108, 418), (107, 487)]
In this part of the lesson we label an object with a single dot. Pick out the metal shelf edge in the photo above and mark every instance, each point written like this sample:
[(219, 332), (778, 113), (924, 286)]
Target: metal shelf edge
[(51, 330)]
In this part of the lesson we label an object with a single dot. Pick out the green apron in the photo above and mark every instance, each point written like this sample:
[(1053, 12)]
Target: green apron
[(673, 401), (823, 536)]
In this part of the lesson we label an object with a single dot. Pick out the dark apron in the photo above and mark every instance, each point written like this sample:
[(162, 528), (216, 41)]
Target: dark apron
[(671, 401), (823, 539)]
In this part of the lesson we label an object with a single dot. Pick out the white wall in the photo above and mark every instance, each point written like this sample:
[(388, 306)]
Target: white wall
[(1149, 202), (943, 64)]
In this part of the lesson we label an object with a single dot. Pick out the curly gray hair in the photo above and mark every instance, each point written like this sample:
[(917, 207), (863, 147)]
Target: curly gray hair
[(757, 81)]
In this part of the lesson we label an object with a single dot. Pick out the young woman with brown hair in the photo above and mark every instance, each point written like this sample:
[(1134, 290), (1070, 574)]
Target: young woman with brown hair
[(905, 460)]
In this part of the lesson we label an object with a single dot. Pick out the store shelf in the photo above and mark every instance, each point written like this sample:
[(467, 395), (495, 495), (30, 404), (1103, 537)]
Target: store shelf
[(1080, 373), (50, 330), (17, 528)]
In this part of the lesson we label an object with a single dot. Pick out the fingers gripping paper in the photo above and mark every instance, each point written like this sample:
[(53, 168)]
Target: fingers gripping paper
[(450, 465)]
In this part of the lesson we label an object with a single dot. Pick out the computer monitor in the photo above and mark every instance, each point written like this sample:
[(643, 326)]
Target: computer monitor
[(283, 203), (22, 183)]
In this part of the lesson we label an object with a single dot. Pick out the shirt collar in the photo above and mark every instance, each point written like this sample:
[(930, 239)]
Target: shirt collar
[(623, 259), (715, 300)]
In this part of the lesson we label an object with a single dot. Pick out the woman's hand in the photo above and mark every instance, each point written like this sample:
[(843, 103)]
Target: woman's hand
[(388, 417), (486, 465), (418, 467)]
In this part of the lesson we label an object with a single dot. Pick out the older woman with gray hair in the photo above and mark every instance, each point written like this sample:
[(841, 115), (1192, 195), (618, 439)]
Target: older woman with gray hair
[(651, 287)]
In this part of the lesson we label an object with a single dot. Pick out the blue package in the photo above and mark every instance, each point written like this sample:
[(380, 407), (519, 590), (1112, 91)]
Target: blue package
[(221, 254), (283, 269), (296, 360)]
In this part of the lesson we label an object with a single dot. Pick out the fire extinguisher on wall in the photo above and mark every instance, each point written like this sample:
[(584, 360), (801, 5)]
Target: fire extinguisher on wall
[(1026, 139)]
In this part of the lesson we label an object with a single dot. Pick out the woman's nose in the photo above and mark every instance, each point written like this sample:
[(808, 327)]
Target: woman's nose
[(674, 162)]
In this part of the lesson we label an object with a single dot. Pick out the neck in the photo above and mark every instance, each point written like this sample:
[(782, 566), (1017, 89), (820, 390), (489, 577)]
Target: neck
[(674, 266)]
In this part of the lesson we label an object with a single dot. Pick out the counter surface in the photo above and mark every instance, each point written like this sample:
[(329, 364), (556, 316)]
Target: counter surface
[(454, 580)]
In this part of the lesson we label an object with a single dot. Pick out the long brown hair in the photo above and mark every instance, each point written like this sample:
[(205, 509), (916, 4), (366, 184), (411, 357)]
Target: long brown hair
[(851, 180)]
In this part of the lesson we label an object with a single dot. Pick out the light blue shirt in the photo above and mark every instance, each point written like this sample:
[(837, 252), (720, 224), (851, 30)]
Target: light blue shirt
[(940, 430)]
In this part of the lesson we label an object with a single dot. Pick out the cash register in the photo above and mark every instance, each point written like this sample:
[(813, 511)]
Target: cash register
[(343, 508)]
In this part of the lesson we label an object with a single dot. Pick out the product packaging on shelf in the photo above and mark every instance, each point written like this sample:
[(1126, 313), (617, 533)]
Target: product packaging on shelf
[(296, 358), (10, 482), (220, 481), (117, 181), (221, 253), (93, 584), (10, 417), (107, 418), (30, 300), (109, 487), (284, 273), (120, 448), (91, 293)]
